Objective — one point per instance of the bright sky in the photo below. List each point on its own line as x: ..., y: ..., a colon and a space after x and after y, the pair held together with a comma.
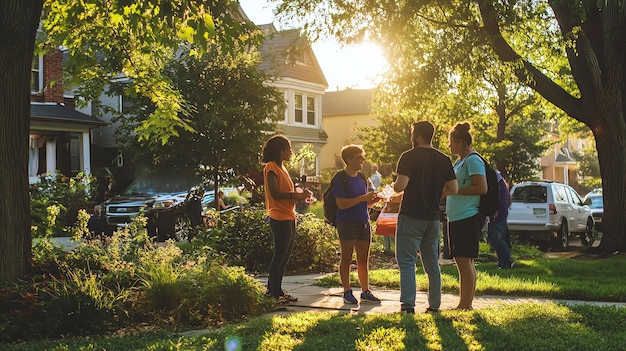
x: 356, y: 67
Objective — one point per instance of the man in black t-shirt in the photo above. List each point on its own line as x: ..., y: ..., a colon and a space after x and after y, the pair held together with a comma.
x: 423, y: 172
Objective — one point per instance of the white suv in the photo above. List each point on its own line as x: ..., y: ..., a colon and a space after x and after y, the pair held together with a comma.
x: 550, y: 210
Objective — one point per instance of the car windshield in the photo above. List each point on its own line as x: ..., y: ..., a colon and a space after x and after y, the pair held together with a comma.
x: 596, y: 202
x: 530, y: 193
x: 159, y: 184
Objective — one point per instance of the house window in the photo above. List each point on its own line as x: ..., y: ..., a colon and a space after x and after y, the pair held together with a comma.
x: 298, y: 108
x: 36, y: 74
x: 310, y: 111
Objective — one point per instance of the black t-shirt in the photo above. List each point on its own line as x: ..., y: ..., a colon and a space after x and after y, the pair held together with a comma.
x: 427, y: 169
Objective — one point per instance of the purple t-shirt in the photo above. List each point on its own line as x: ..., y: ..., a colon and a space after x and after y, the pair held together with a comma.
x: 355, y: 187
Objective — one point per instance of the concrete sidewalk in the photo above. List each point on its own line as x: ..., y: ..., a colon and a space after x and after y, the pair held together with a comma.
x: 316, y: 298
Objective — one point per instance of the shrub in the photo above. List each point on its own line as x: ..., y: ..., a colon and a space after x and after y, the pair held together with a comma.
x: 244, y: 238
x: 55, y: 202
x: 215, y: 294
x: 106, y: 284
x: 316, y: 208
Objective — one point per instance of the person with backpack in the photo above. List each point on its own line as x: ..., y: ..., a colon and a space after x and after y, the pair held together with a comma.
x: 464, y: 218
x: 351, y: 192
x: 280, y: 203
x: 423, y: 173
x: 497, y: 229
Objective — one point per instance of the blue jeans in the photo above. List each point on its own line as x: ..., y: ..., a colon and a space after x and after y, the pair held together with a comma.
x: 497, y: 236
x: 284, y: 242
x: 415, y: 235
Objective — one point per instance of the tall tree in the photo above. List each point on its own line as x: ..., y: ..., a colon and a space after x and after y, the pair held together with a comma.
x: 231, y: 110
x: 135, y: 37
x: 573, y: 53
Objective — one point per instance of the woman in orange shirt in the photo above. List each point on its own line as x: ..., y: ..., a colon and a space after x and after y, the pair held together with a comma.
x: 280, y: 202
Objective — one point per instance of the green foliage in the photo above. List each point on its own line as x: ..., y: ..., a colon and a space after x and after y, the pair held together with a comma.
x: 138, y: 39
x: 303, y: 156
x: 316, y: 208
x: 216, y: 294
x: 244, y: 239
x: 104, y: 285
x: 56, y: 201
x: 230, y: 110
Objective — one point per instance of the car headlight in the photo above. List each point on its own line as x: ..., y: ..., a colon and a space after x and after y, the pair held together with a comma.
x: 163, y: 204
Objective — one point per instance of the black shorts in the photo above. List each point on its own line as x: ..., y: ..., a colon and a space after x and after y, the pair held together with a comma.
x: 464, y: 236
x: 354, y: 231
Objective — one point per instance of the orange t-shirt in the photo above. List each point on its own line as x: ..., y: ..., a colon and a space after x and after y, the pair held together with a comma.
x: 279, y: 209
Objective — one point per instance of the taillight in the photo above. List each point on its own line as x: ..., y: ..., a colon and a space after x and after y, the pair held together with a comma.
x: 552, y: 209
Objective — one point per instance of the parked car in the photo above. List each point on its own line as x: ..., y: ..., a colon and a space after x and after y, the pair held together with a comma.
x: 151, y: 194
x: 597, y: 207
x: 552, y: 211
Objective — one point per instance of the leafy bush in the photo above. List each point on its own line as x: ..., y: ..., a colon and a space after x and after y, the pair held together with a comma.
x: 244, y: 238
x: 316, y: 208
x: 215, y: 294
x: 55, y: 202
x: 103, y: 285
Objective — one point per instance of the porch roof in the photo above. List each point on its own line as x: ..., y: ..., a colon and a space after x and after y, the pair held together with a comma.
x: 54, y: 112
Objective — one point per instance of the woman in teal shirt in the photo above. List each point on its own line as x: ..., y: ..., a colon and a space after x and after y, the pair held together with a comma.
x: 464, y: 221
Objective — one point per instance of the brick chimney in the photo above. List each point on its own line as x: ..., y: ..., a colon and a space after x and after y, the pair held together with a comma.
x: 53, y: 72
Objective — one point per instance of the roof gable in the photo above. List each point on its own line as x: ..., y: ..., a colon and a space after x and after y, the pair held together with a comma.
x: 288, y: 54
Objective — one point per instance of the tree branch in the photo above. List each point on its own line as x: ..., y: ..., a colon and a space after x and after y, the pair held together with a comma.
x: 526, y: 72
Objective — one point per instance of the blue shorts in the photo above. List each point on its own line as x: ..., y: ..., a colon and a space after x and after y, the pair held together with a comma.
x: 354, y: 231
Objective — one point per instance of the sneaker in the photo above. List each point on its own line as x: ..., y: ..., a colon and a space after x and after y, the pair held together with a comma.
x: 408, y: 310
x: 431, y: 310
x: 348, y: 298
x: 368, y: 297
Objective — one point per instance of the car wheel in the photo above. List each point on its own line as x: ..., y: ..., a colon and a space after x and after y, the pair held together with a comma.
x: 181, y: 228
x: 589, y: 236
x: 561, y: 242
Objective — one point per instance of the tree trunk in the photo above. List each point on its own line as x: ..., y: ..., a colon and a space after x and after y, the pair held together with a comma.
x: 611, y: 145
x: 18, y: 25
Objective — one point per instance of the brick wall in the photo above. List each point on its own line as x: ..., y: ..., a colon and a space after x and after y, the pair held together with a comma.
x: 53, y: 72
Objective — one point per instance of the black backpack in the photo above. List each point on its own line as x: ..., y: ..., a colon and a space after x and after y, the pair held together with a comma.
x: 490, y: 201
x: 330, y: 204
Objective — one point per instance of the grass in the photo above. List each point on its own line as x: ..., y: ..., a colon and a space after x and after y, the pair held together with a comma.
x: 559, y: 278
x: 528, y: 326
x: 535, y: 275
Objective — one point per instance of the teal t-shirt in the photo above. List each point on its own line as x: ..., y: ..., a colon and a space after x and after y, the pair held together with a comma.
x: 460, y: 207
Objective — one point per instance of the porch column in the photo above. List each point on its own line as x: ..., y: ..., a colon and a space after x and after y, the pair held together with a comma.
x: 86, y: 153
x: 51, y: 155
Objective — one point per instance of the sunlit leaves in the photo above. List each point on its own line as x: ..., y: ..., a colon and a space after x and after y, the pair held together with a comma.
x: 106, y: 38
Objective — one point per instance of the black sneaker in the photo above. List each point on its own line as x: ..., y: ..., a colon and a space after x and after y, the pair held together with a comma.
x: 431, y: 310
x: 368, y: 297
x: 348, y: 298
x: 408, y: 310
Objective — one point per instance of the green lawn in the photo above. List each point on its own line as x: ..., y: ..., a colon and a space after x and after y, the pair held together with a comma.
x: 559, y: 278
x: 527, y: 326
x: 518, y: 327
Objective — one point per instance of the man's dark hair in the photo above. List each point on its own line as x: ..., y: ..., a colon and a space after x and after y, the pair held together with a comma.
x: 424, y: 129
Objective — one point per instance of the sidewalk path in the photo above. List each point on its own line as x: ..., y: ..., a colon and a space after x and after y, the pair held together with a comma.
x: 316, y: 298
